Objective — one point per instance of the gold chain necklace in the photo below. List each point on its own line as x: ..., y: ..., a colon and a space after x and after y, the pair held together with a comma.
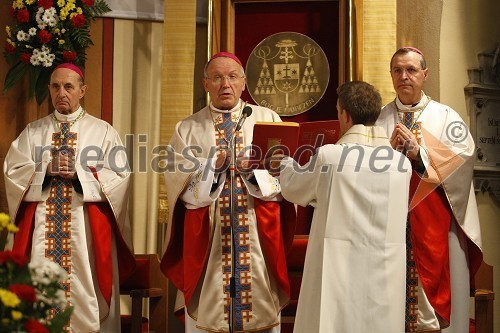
x: 403, y: 111
x: 71, y: 123
x: 212, y: 111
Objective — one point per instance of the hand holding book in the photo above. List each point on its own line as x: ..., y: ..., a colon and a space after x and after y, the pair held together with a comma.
x: 298, y: 140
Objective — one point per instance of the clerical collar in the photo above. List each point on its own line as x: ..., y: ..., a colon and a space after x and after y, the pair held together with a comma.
x: 236, y: 108
x: 412, y: 108
x: 64, y: 118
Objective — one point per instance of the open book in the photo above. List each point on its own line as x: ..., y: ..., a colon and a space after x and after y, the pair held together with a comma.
x: 298, y: 140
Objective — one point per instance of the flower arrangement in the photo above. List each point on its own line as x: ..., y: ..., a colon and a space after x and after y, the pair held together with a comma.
x: 30, y: 293
x: 46, y: 33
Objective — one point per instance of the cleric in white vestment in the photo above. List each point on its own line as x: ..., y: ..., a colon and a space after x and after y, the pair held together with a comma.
x: 354, y: 271
x: 198, y: 255
x: 67, y: 178
x: 443, y: 219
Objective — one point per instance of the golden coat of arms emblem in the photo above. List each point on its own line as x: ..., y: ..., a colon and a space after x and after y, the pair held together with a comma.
x: 287, y: 72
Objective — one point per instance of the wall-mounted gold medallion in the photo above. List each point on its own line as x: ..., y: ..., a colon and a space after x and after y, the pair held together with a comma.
x: 287, y: 72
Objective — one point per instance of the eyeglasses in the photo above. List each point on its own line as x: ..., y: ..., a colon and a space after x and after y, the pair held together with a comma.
x: 232, y: 78
x: 412, y: 71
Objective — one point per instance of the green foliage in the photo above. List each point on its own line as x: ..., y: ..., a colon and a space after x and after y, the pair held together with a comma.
x: 15, y: 74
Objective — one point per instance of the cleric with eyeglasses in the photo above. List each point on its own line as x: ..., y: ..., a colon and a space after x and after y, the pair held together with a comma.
x: 225, y: 256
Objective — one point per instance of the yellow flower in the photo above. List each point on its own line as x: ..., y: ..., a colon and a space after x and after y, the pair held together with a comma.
x: 63, y: 30
x: 12, y: 228
x: 30, y: 2
x: 70, y: 6
x: 9, y: 298
x: 18, y: 4
x: 4, y: 218
x: 61, y: 3
x: 61, y: 41
x: 63, y: 13
x: 7, y: 30
x: 79, y: 10
x: 17, y: 315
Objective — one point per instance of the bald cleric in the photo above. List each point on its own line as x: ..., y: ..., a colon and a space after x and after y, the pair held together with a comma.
x: 71, y: 208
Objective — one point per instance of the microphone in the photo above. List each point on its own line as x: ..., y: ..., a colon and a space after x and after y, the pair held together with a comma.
x: 247, y: 111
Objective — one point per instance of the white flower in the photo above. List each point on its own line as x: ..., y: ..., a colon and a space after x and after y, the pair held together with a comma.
x: 38, y: 18
x: 45, y: 58
x: 45, y: 271
x: 60, y: 299
x: 50, y: 17
x: 42, y: 298
x: 47, y: 17
x: 32, y: 32
x: 35, y: 61
x: 47, y: 62
x: 22, y: 36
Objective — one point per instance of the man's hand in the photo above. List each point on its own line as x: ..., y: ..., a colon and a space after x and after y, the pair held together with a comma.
x: 273, y: 163
x: 62, y: 165
x: 222, y: 161
x: 403, y: 140
x: 242, y: 165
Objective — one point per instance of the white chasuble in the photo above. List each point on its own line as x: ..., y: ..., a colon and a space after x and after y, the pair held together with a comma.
x: 61, y: 226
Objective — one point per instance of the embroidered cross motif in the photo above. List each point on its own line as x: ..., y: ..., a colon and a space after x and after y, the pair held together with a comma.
x: 240, y: 226
x: 411, y: 309
x: 58, y: 209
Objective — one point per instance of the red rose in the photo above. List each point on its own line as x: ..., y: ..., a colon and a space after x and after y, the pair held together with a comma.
x: 12, y: 12
x: 88, y: 2
x: 16, y: 258
x: 45, y: 3
x: 45, y: 36
x: 78, y: 20
x: 23, y: 15
x: 25, y: 57
x: 69, y: 56
x: 34, y: 326
x: 24, y: 292
x: 9, y: 48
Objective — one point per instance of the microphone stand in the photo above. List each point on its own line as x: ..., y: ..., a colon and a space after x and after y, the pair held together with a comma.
x: 232, y: 279
x: 232, y: 175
